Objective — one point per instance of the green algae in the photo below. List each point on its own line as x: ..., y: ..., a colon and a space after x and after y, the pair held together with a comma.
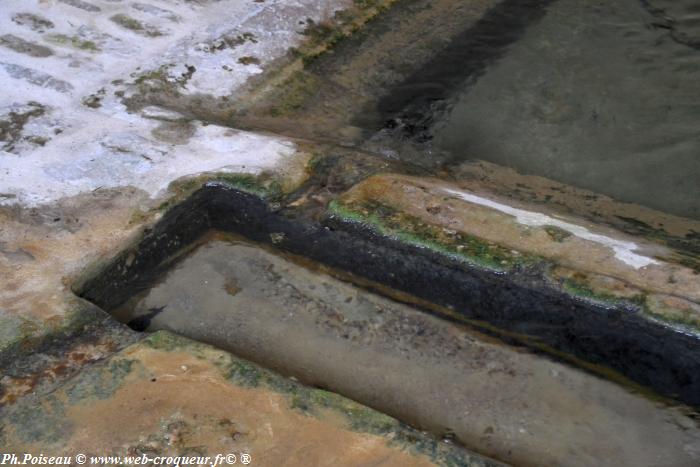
x: 405, y: 228
x: 73, y: 41
x: 21, y: 335
x: 325, y: 35
x: 161, y: 77
x: 135, y: 25
x: 159, y: 86
x: 264, y: 185
x: 687, y: 322
x: 100, y: 382
x: 22, y: 46
x: 34, y: 22
x: 359, y: 418
x: 231, y: 42
x: 641, y: 300
x: 158, y: 74
x: 556, y: 233
x: 35, y: 422
x: 163, y: 340
x: 44, y: 420
x: 295, y: 91
x: 580, y: 289
x: 289, y: 87
x: 14, y: 330
x: 685, y: 318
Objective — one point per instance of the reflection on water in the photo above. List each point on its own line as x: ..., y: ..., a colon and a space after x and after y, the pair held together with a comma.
x: 603, y: 95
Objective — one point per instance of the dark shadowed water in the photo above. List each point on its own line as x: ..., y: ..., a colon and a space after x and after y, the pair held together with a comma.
x: 598, y: 94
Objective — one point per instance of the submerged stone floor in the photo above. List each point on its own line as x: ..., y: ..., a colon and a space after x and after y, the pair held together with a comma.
x: 114, y: 112
x: 446, y: 378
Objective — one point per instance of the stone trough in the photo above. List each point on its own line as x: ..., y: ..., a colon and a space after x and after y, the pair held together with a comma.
x: 351, y: 232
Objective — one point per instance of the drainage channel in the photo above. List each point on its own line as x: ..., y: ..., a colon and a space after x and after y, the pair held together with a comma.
x: 286, y: 312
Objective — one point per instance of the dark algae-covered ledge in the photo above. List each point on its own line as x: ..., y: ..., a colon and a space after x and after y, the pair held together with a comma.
x: 519, y: 301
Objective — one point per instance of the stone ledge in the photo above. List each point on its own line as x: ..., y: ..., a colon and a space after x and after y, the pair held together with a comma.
x: 168, y: 396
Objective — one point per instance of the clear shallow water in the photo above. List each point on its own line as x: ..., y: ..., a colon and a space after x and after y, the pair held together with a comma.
x: 602, y: 95
x: 510, y: 404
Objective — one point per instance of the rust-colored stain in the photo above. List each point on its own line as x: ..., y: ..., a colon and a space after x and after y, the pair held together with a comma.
x: 12, y: 388
x: 177, y: 402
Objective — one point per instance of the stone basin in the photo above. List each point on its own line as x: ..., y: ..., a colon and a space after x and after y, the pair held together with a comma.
x: 270, y: 228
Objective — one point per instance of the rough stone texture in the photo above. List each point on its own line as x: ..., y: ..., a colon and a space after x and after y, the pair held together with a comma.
x: 78, y: 168
x: 106, y: 105
x: 168, y: 396
x: 71, y: 71
x: 90, y: 146
x: 604, y: 261
x: 494, y: 398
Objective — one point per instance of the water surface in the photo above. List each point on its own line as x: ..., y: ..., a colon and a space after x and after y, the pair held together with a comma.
x: 597, y: 94
x: 437, y: 375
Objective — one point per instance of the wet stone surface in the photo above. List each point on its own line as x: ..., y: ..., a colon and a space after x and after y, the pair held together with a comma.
x: 244, y: 410
x: 595, y: 94
x: 509, y: 404
x: 114, y: 113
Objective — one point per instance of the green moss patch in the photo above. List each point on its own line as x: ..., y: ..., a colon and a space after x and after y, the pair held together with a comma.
x: 295, y: 90
x: 557, y: 234
x: 75, y: 42
x: 411, y: 230
x: 132, y: 24
x: 100, y: 382
x: 265, y: 186
x: 580, y: 289
x: 681, y: 313
x: 20, y: 335
x: 326, y: 34
x: 34, y: 22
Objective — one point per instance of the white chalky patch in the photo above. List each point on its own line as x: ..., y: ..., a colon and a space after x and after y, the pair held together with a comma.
x: 624, y: 251
x: 119, y: 155
x: 86, y: 138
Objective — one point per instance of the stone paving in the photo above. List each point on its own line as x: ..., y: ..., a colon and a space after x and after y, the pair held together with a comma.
x: 72, y: 72
x: 114, y: 111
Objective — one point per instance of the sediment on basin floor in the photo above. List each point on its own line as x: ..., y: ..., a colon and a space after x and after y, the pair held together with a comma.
x: 286, y: 313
